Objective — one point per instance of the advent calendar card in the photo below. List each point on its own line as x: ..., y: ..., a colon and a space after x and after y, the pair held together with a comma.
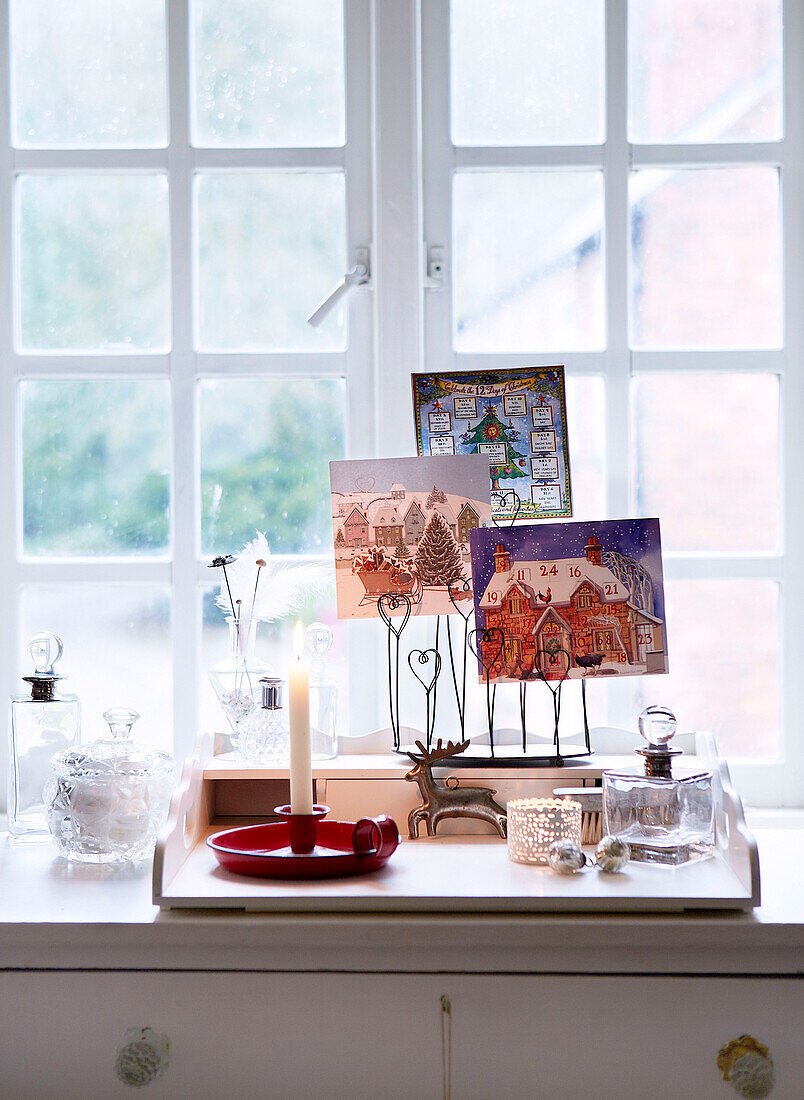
x: 401, y: 526
x: 517, y: 418
x: 570, y: 599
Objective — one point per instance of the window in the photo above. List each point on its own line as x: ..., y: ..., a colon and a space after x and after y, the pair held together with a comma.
x: 629, y: 206
x: 613, y: 186
x: 182, y: 188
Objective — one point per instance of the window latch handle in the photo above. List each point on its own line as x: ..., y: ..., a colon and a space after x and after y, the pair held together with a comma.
x: 358, y: 275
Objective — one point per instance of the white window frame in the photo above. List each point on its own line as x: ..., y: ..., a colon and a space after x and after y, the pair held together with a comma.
x: 183, y: 570
x: 778, y: 782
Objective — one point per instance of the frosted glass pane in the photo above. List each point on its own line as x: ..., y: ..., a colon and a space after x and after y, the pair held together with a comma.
x: 88, y: 74
x: 705, y: 258
x: 95, y: 460
x: 265, y: 453
x: 93, y: 262
x: 271, y: 246
x: 586, y: 424
x: 705, y: 70
x: 274, y: 645
x: 268, y: 72
x: 117, y: 651
x: 724, y: 655
x: 528, y: 266
x: 707, y: 459
x: 526, y: 73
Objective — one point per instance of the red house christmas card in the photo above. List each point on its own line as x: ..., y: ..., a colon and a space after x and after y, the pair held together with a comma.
x: 572, y: 599
x: 402, y: 525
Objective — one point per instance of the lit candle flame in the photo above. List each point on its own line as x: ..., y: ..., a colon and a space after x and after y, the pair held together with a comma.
x: 298, y: 640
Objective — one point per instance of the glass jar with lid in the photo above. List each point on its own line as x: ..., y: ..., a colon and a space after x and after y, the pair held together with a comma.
x: 107, y: 800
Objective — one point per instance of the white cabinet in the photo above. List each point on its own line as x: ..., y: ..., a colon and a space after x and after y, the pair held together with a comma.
x: 378, y: 1036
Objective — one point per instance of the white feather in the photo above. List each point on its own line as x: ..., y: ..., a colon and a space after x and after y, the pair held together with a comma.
x: 282, y: 589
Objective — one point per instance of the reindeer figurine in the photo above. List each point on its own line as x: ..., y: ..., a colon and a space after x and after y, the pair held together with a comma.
x: 442, y: 800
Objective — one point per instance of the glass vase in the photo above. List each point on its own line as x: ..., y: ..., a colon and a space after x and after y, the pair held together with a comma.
x: 236, y: 679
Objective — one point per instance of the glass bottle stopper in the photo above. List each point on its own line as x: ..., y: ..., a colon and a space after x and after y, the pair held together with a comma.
x: 44, y: 649
x: 120, y: 720
x: 318, y: 639
x: 271, y: 693
x: 657, y: 726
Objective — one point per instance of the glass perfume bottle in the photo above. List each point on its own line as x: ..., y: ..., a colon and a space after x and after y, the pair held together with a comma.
x: 41, y: 724
x: 318, y: 640
x: 665, y: 819
x: 265, y: 733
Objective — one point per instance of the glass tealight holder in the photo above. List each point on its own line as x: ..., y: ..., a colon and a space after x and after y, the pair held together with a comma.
x: 534, y: 823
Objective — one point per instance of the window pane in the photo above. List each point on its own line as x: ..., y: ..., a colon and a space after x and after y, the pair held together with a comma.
x: 528, y: 270
x: 586, y: 424
x: 268, y: 72
x: 271, y: 245
x: 274, y: 645
x: 93, y: 262
x: 88, y: 73
x: 526, y: 73
x: 265, y: 452
x: 95, y: 459
x: 706, y: 456
x: 705, y: 258
x: 724, y: 652
x: 116, y: 651
x: 705, y: 70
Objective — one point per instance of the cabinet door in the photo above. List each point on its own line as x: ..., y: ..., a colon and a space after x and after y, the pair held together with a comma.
x: 383, y: 1037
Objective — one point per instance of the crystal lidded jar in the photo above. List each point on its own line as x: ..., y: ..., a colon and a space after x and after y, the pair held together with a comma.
x: 41, y: 724
x: 108, y: 799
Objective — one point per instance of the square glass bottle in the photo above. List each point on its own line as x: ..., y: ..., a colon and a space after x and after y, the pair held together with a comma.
x: 40, y: 725
x: 664, y: 819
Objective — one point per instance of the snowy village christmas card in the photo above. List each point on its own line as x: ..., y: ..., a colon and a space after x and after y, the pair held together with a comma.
x: 572, y: 599
x: 517, y: 418
x: 402, y: 525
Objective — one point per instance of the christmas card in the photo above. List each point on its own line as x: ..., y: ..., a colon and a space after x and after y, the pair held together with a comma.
x: 517, y: 418
x: 402, y: 525
x: 569, y: 600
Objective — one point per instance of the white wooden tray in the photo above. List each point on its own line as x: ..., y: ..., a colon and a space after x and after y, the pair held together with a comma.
x: 451, y: 873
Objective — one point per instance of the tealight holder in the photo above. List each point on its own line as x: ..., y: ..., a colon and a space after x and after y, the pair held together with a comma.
x: 534, y: 823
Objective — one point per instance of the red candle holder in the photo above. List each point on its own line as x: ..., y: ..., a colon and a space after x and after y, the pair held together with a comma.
x: 302, y: 828
x: 304, y: 846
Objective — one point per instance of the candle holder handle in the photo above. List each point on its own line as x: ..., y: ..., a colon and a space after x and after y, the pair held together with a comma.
x: 302, y: 828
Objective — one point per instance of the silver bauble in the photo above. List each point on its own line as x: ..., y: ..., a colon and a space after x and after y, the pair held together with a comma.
x: 565, y: 857
x: 612, y: 854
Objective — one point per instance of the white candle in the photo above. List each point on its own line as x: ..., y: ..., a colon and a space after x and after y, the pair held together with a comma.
x: 301, y: 773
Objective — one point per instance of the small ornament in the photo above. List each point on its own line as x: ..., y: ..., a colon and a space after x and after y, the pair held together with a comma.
x: 746, y: 1064
x: 143, y: 1057
x: 565, y: 857
x: 612, y: 854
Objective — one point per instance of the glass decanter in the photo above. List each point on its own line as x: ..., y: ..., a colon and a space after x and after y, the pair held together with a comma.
x: 236, y: 679
x: 265, y: 733
x: 665, y: 819
x: 41, y: 724
x: 318, y: 640
x: 108, y: 799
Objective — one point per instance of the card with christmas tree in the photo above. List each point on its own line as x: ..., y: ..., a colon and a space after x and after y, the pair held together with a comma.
x: 402, y: 525
x: 517, y: 418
